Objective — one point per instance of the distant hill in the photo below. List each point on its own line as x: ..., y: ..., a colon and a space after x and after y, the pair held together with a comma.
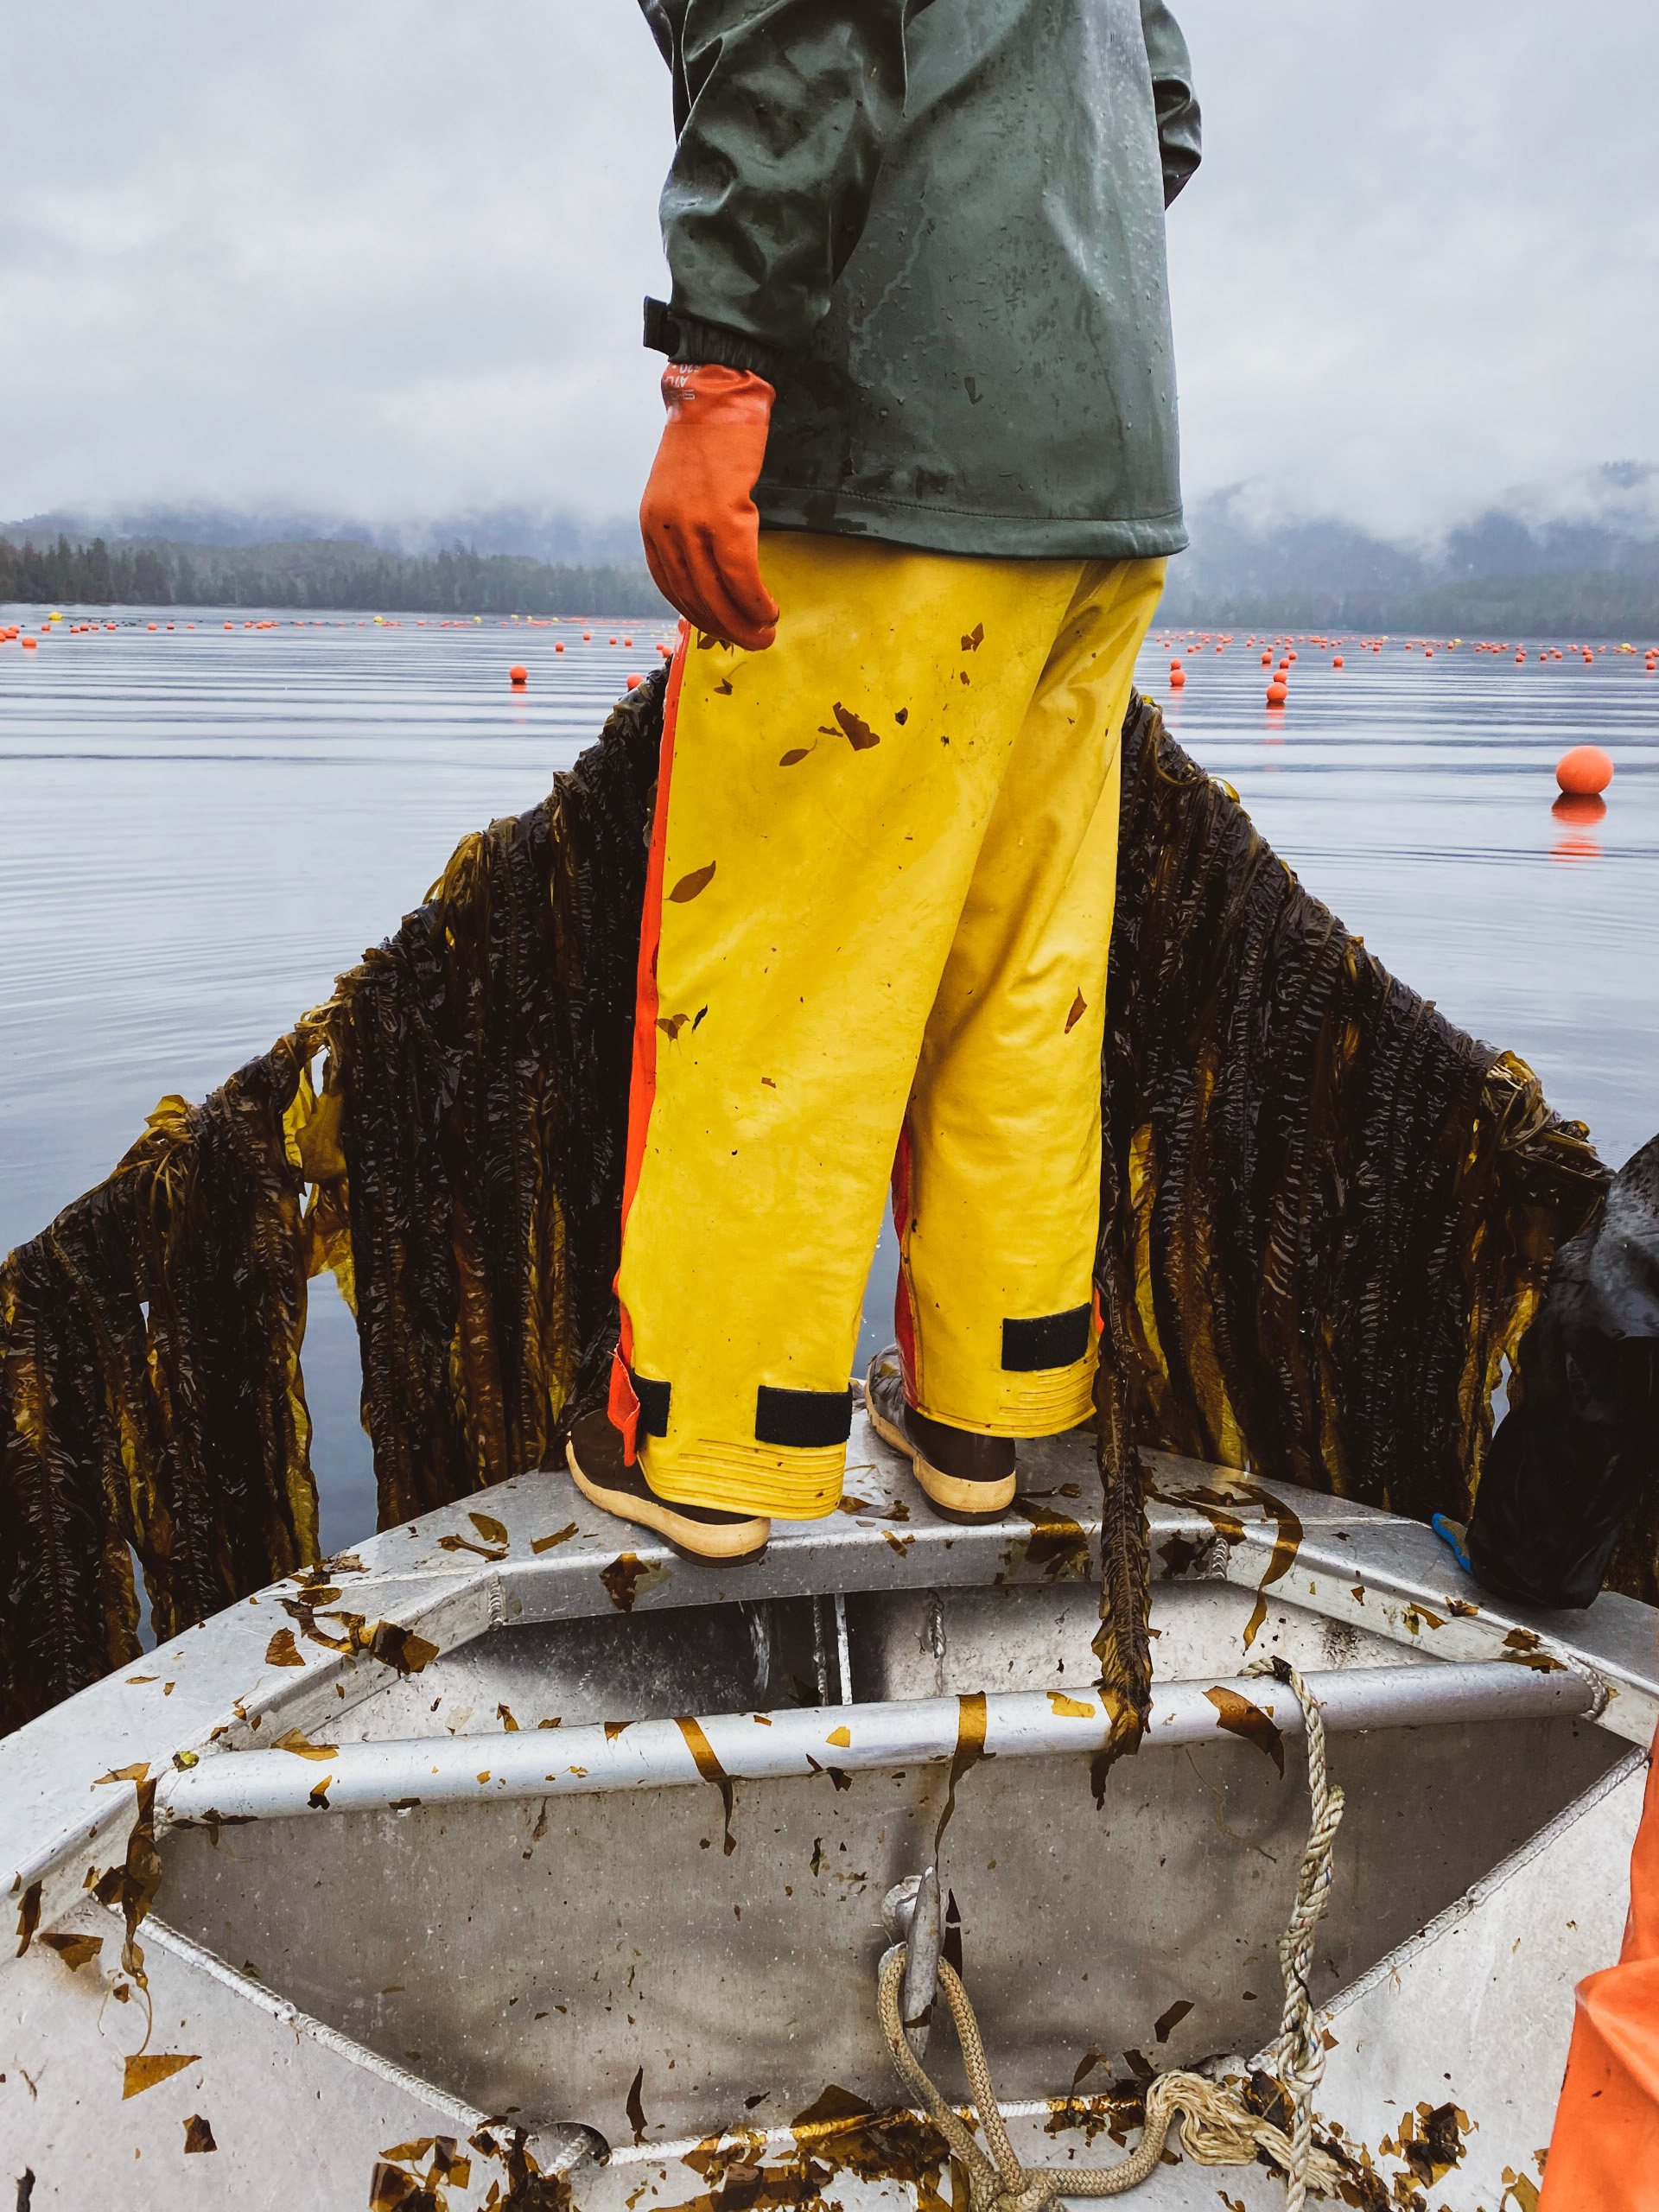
x: 1595, y: 574
x: 75, y: 569
x: 1579, y: 557
x: 551, y: 535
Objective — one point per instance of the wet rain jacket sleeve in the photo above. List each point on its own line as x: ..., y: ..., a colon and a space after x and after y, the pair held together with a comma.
x: 1172, y: 86
x: 783, y: 109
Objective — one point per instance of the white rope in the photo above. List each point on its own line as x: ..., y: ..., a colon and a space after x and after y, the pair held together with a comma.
x: 1296, y: 2057
x: 1216, y: 2128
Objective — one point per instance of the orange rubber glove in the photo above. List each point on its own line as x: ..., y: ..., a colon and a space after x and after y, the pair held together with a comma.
x: 701, y: 527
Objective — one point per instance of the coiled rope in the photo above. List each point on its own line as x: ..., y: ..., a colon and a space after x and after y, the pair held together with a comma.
x: 1216, y: 2128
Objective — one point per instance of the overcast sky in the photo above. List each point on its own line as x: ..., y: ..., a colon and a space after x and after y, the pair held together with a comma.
x: 385, y: 258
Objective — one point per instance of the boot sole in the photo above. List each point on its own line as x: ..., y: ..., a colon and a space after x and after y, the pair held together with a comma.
x: 950, y: 1498
x: 739, y: 1545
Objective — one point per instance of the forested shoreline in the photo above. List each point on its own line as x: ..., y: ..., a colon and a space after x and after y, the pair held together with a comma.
x: 328, y: 573
x: 352, y: 573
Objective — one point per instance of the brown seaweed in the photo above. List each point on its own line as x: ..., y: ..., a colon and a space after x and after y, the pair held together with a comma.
x: 483, y: 1056
x: 464, y: 1158
x: 1326, y: 1214
x: 1325, y: 1218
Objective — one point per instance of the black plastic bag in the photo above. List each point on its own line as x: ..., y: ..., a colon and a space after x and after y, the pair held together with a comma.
x: 1579, y: 1446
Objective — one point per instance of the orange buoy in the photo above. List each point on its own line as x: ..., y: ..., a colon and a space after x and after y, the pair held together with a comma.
x: 1335, y: 660
x: 1177, y: 677
x: 31, y: 644
x: 1278, y: 692
x: 627, y: 641
x: 587, y: 636
x: 518, y: 673
x: 1585, y: 772
x: 558, y: 646
x: 634, y: 682
x: 667, y: 652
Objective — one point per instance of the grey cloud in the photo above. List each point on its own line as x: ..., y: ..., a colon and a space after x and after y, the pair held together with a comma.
x: 385, y: 259
x: 381, y: 258
x: 1415, y: 276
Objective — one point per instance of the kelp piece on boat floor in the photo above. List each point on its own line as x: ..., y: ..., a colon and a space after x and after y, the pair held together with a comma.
x: 1325, y: 1218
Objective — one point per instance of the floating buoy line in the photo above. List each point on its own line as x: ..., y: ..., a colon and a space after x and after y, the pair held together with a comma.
x: 56, y: 625
x: 1583, y: 773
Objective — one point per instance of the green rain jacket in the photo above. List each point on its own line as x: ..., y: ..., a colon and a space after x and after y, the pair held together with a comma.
x: 938, y: 227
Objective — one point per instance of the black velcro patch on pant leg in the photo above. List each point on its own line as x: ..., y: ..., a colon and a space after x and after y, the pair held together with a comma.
x: 653, y: 1403
x: 1051, y: 1340
x: 804, y: 1419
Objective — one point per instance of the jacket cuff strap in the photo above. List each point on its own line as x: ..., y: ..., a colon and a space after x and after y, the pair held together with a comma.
x: 686, y: 339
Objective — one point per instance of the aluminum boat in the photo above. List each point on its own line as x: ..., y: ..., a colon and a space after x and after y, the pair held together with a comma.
x: 510, y: 1860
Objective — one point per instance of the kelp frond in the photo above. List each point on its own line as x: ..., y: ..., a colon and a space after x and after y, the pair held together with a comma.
x: 1326, y: 1214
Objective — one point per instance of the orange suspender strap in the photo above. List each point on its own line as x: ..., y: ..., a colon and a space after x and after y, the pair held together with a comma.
x: 623, y: 1405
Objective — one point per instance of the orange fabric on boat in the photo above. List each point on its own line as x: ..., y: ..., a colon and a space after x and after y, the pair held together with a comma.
x: 1603, y: 2150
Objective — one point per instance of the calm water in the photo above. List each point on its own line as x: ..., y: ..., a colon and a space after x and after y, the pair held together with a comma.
x: 199, y: 828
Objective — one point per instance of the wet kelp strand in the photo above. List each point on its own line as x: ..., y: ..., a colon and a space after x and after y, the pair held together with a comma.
x: 1325, y: 1218
x: 1326, y: 1214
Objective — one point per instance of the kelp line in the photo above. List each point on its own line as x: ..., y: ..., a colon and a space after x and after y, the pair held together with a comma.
x: 463, y: 1160
x: 1327, y: 1216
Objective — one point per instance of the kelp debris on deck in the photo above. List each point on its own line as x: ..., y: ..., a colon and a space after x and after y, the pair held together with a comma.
x: 1325, y: 1218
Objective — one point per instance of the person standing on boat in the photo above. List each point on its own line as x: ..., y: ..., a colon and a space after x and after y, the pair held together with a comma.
x: 914, y: 498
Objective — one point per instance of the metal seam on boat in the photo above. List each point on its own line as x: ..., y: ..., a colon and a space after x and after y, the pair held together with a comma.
x: 248, y: 1988
x: 797, y: 1744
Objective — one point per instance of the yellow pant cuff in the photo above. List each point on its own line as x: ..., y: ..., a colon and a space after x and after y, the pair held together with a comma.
x: 794, y: 1485
x: 1045, y: 1404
